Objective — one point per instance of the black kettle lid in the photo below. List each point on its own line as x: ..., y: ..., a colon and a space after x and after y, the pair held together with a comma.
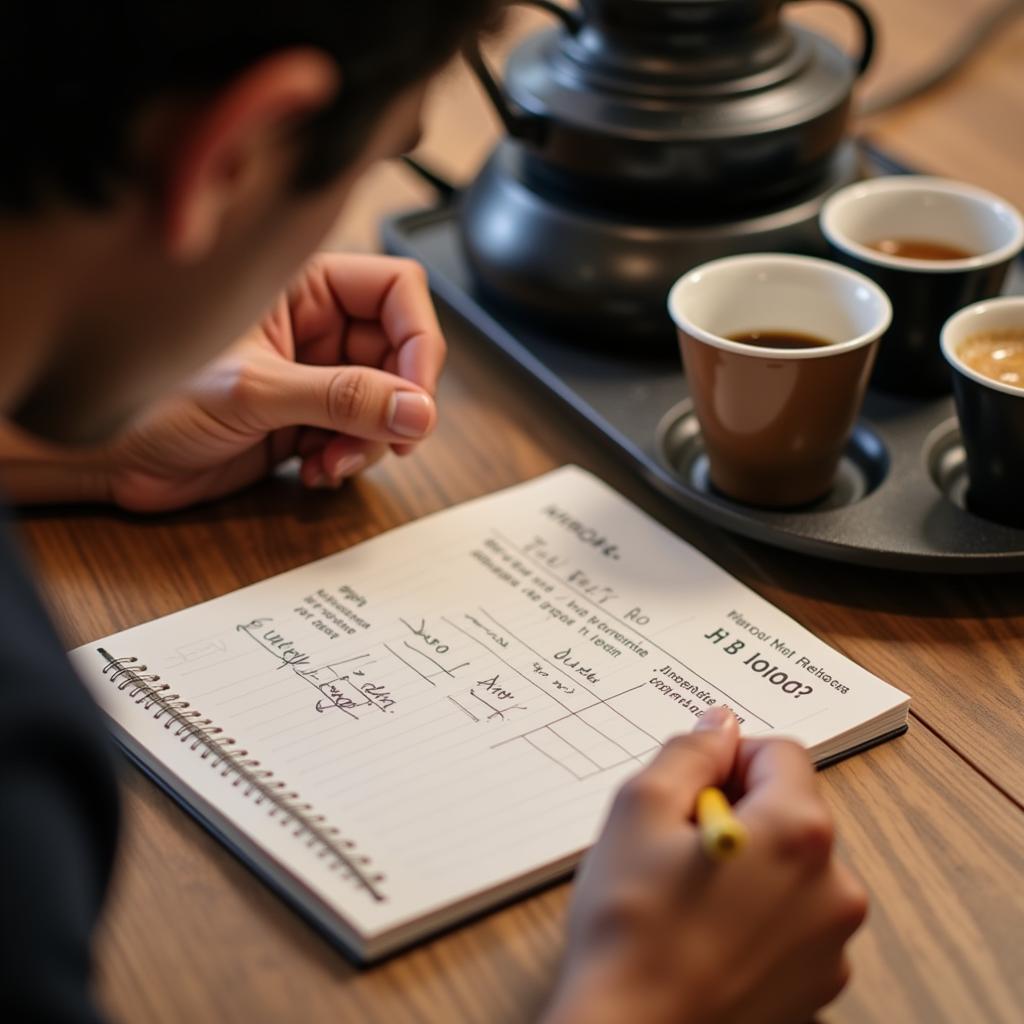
x: 687, y: 48
x: 678, y: 96
x: 694, y: 42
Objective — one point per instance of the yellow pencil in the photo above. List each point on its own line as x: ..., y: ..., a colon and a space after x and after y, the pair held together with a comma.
x: 722, y: 834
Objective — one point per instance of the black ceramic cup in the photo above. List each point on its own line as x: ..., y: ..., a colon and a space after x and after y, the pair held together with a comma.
x: 991, y: 413
x: 924, y: 292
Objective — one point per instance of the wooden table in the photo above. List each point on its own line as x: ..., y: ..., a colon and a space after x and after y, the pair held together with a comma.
x: 934, y: 821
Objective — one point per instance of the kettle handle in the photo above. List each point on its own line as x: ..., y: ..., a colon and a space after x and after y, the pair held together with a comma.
x: 867, y: 32
x: 518, y: 123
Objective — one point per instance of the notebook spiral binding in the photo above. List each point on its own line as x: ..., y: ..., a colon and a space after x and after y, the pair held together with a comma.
x: 224, y: 753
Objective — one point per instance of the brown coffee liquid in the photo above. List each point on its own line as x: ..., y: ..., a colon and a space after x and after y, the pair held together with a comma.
x: 998, y: 355
x: 779, y: 339
x: 918, y: 249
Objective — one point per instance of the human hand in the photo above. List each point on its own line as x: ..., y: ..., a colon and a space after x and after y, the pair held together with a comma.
x: 658, y: 934
x: 343, y: 367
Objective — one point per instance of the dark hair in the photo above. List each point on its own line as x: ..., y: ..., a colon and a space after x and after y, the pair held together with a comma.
x: 75, y: 76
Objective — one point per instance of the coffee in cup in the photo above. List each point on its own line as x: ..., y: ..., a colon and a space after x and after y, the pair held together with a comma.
x: 984, y: 344
x: 778, y: 339
x: 920, y: 249
x: 777, y: 350
x: 934, y: 246
x: 998, y: 355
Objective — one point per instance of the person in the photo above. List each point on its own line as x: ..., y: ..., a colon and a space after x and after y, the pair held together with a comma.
x: 168, y: 169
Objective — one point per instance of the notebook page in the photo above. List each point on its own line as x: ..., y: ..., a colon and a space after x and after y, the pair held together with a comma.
x: 462, y: 696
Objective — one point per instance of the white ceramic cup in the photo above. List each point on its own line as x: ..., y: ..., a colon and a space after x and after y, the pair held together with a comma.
x: 927, y: 209
x: 924, y: 292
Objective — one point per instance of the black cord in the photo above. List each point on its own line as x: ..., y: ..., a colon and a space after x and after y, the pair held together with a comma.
x: 971, y: 40
x: 445, y: 189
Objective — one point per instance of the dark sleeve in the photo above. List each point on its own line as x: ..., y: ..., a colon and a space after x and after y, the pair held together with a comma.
x: 58, y: 816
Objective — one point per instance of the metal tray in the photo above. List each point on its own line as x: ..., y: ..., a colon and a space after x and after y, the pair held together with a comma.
x: 898, y: 500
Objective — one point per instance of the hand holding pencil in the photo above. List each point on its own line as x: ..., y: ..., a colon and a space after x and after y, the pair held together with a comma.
x: 722, y: 834
x: 689, y: 910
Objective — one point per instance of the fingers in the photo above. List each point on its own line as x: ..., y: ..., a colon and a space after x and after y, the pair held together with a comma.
x: 338, y: 291
x: 781, y: 805
x: 365, y: 403
x: 367, y: 345
x: 764, y: 762
x: 852, y: 909
x: 329, y: 463
x: 665, y: 792
x: 311, y: 440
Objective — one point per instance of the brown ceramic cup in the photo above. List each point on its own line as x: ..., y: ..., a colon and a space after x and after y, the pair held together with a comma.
x: 775, y: 420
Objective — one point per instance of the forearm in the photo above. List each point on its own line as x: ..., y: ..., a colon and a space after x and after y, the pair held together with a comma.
x: 602, y: 992
x: 35, y: 473
x: 579, y: 1006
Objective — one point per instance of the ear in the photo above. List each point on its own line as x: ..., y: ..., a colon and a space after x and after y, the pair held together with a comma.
x: 235, y: 153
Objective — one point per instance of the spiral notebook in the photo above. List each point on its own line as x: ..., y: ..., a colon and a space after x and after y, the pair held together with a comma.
x: 426, y: 725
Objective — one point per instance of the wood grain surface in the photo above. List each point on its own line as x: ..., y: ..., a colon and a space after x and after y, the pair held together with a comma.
x: 933, y: 821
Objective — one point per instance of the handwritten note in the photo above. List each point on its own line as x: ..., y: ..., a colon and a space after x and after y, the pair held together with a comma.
x: 463, y: 695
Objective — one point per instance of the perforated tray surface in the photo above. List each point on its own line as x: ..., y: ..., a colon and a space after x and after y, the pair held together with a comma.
x: 898, y: 501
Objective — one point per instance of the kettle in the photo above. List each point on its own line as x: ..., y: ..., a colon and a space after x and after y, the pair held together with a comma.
x: 645, y: 137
